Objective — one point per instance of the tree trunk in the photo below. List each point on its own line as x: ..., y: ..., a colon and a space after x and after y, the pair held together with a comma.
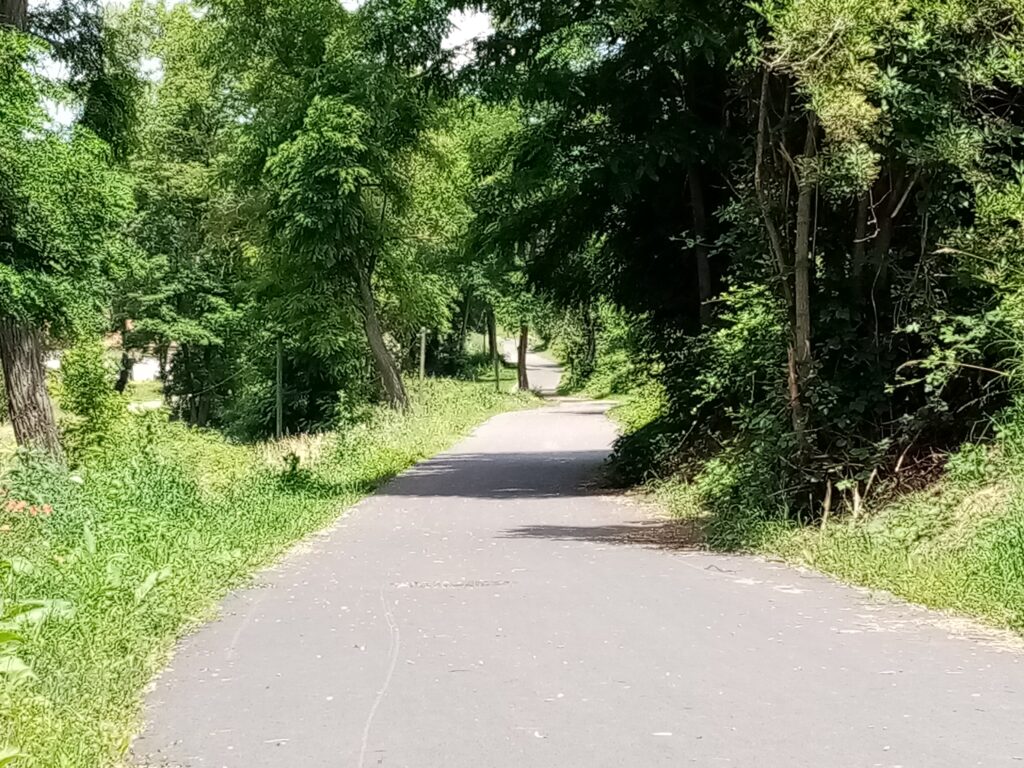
x: 21, y: 350
x: 878, y: 283
x: 387, y: 371
x: 860, y: 239
x: 524, y: 341
x: 28, y: 402
x: 492, y: 333
x: 700, y: 231
x: 590, y: 341
x: 14, y: 13
x: 802, y: 288
x: 464, y: 329
x: 203, y: 410
x: 774, y: 236
x: 124, y: 375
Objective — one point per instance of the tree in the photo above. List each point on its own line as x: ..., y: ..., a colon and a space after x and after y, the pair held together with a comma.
x: 788, y: 174
x: 61, y: 204
x: 334, y: 112
x: 188, y: 288
x: 61, y: 207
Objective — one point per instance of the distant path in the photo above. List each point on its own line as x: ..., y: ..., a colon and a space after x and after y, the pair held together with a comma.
x: 544, y: 373
x: 487, y: 610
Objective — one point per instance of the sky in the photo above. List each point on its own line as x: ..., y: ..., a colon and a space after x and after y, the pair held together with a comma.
x: 468, y: 26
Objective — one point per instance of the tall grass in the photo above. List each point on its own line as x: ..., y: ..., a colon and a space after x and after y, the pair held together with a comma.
x: 125, y: 553
x: 957, y: 545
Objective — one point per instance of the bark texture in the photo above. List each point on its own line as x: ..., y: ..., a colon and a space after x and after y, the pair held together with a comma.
x: 21, y: 347
x: 492, y: 334
x: 14, y: 13
x: 28, y: 402
x: 524, y: 341
x: 802, y: 357
x: 387, y: 371
x: 763, y: 200
x: 860, y: 238
x: 700, y: 232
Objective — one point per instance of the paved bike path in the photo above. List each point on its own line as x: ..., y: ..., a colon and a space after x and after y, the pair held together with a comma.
x: 488, y: 609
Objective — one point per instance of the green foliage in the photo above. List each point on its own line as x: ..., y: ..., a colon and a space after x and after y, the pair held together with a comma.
x: 677, y: 161
x: 86, y: 394
x: 186, y: 283
x: 955, y: 545
x: 148, y: 534
x: 598, y: 349
x: 62, y: 206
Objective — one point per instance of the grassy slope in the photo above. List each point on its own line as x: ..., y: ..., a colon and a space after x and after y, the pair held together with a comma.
x: 958, y: 545
x: 948, y: 547
x: 145, y: 391
x: 955, y: 546
x: 149, y: 535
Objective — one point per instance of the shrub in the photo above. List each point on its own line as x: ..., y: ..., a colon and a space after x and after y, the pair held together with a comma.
x: 85, y: 392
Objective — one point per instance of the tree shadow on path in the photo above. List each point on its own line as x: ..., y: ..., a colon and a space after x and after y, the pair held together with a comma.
x: 657, y: 534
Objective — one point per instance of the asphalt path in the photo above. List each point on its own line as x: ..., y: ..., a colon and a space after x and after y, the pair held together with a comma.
x: 491, y: 608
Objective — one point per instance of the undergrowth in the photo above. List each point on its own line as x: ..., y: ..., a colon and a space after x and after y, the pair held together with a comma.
x: 104, y: 566
x: 708, y: 433
x: 957, y: 544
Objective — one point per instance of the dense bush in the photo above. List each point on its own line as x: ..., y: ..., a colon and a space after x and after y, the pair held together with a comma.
x: 85, y: 393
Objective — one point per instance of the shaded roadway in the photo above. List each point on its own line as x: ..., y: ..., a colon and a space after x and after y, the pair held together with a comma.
x: 491, y: 609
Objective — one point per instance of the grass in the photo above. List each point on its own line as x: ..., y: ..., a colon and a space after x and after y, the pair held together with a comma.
x: 145, y: 391
x: 956, y: 546
x: 945, y: 548
x: 149, y: 534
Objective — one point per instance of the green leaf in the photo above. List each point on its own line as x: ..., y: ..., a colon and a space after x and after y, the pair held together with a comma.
x: 89, y: 539
x: 9, y: 754
x: 114, y: 575
x: 151, y: 581
x: 15, y: 669
x: 20, y: 565
x: 34, y: 612
x: 9, y: 636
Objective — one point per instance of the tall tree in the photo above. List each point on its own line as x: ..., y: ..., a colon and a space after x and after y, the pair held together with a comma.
x: 21, y: 349
x: 189, y: 290
x: 334, y: 109
x: 785, y: 177
x: 61, y: 204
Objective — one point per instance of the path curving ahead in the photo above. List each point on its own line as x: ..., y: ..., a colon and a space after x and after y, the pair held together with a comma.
x: 488, y: 610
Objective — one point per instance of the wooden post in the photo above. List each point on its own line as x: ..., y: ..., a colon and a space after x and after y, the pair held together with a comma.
x: 279, y: 430
x: 423, y: 353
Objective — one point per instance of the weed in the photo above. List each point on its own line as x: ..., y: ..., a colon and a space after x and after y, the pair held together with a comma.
x: 956, y: 545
